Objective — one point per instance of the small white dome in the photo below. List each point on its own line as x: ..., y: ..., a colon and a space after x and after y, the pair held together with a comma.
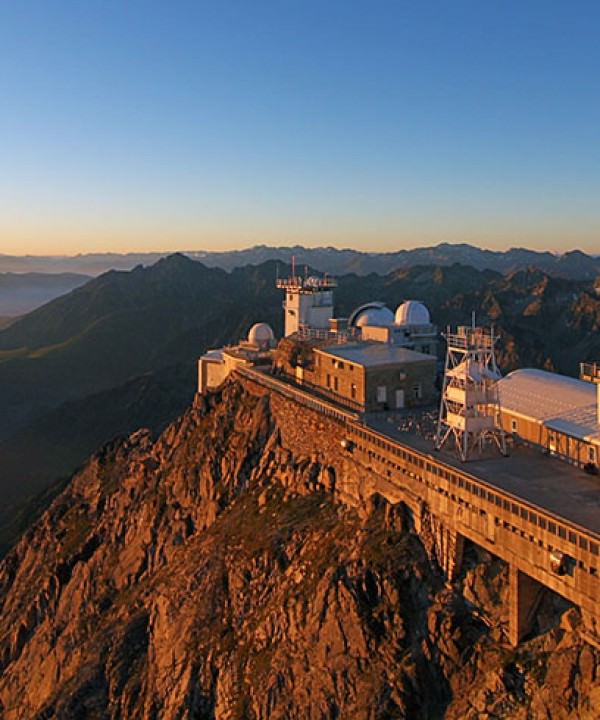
x: 260, y: 333
x: 373, y: 313
x: 412, y: 312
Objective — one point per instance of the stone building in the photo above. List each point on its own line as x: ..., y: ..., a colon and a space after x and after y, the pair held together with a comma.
x: 216, y: 365
x: 373, y: 376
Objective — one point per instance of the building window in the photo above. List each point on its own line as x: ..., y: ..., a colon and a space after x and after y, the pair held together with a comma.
x: 335, y: 384
x: 592, y: 454
x: 340, y: 365
x: 417, y: 391
x: 381, y: 393
x: 513, y: 425
x: 328, y: 380
x: 426, y: 349
x: 353, y: 391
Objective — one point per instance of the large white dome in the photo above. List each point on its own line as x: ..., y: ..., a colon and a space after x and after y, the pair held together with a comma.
x: 260, y: 334
x: 373, y: 313
x: 412, y: 312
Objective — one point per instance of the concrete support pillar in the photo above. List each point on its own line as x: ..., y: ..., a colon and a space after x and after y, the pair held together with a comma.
x: 442, y: 542
x: 458, y: 542
x: 525, y: 594
x: 419, y: 514
x: 449, y: 551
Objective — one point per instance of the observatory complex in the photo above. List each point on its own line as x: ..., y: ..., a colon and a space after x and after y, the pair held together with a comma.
x: 511, y: 466
x: 379, y: 360
x: 373, y: 360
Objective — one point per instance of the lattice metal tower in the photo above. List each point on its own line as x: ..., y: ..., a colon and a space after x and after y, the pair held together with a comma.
x: 470, y: 407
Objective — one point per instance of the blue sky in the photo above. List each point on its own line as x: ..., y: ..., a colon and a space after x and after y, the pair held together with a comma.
x: 130, y: 125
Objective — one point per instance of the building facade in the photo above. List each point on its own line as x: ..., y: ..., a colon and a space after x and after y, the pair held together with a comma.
x: 215, y: 366
x: 555, y: 413
x: 375, y: 376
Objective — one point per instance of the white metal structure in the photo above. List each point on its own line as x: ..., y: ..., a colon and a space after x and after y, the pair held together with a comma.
x: 590, y: 372
x: 412, y: 312
x: 469, y: 410
x: 371, y: 313
x: 308, y: 302
x: 261, y: 335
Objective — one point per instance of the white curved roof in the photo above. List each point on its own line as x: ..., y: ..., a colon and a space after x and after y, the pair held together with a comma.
x: 372, y: 313
x: 562, y: 403
x: 260, y: 332
x: 412, y: 312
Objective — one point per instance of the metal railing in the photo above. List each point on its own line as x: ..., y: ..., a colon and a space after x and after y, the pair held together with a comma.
x: 589, y: 371
x: 569, y: 531
x: 304, y: 397
x: 310, y: 283
x: 471, y: 338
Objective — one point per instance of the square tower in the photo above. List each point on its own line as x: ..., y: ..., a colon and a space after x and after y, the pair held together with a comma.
x: 308, y: 303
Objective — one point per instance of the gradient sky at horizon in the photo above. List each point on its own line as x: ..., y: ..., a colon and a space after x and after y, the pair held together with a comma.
x: 142, y: 125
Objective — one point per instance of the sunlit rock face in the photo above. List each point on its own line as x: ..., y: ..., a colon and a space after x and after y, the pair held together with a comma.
x: 215, y: 573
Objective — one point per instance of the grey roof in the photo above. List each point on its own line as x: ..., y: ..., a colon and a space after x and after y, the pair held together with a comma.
x: 562, y: 403
x: 372, y: 354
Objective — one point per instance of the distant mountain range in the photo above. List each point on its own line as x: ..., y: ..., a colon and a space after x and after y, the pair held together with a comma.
x: 575, y: 264
x: 21, y: 293
x: 119, y: 351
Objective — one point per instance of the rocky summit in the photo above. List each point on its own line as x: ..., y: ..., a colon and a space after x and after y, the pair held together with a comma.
x: 212, y: 573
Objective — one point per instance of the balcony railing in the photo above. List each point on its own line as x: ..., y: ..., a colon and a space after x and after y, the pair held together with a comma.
x: 589, y: 371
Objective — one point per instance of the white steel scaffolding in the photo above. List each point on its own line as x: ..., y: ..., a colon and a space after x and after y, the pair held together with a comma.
x: 470, y: 407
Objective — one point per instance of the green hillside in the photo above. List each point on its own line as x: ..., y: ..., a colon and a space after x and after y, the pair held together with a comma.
x: 121, y: 325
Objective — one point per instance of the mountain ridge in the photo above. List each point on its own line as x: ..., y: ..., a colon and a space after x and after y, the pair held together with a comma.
x: 573, y: 264
x: 59, y: 364
x: 215, y: 573
x: 21, y: 293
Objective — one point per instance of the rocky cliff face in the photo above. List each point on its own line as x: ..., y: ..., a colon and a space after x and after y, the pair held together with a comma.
x: 212, y: 574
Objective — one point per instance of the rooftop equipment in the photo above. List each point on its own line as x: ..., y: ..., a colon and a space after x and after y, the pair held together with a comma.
x: 470, y: 408
x: 590, y: 372
x: 308, y: 302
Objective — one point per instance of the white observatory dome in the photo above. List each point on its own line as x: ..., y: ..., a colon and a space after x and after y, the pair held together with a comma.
x: 412, y: 312
x: 373, y: 313
x: 260, y: 334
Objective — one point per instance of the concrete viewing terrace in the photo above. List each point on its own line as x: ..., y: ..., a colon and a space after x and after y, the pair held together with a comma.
x: 543, y: 481
x: 547, y: 482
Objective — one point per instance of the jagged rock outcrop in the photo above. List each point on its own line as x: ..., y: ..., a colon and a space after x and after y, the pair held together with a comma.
x: 213, y: 574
